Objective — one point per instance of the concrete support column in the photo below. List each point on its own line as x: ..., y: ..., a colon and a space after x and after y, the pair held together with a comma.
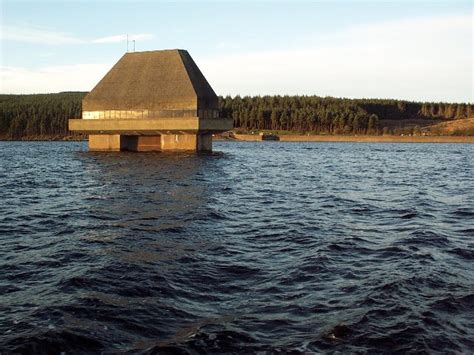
x: 201, y: 142
x: 204, y: 142
x: 104, y: 142
x: 178, y: 142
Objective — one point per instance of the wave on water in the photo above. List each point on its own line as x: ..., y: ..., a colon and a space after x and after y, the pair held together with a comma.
x: 265, y: 247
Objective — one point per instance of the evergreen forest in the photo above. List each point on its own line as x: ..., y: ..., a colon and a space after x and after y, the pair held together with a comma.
x: 45, y: 115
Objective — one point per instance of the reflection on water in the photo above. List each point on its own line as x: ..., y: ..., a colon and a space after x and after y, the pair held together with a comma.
x: 260, y: 247
x: 145, y: 198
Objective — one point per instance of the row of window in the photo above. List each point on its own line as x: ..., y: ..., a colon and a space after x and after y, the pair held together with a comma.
x: 127, y: 114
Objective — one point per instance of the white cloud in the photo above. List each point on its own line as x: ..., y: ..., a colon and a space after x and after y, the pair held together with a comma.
x: 122, y: 38
x: 42, y: 35
x: 79, y: 77
x: 39, y: 35
x: 416, y: 59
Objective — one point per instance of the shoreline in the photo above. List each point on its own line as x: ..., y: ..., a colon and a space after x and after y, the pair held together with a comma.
x: 296, y: 138
x: 55, y: 138
x: 360, y: 139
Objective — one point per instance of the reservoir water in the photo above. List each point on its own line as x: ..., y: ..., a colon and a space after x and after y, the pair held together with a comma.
x: 260, y: 246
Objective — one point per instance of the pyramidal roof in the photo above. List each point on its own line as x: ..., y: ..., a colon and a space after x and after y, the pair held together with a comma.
x: 154, y: 80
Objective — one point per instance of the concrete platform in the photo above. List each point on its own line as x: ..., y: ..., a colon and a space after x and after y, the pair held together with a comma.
x: 173, y: 134
x: 151, y: 126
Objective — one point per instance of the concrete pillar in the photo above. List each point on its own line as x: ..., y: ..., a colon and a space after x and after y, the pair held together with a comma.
x: 204, y: 142
x: 178, y: 142
x: 104, y: 142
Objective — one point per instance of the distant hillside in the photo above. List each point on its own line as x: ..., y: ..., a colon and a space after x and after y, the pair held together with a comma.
x: 328, y: 115
x: 44, y: 116
x: 462, y: 127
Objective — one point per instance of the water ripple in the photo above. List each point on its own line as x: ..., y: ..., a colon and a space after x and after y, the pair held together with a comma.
x: 260, y: 247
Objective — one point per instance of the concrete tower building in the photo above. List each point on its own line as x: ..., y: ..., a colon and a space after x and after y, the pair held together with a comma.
x: 157, y: 100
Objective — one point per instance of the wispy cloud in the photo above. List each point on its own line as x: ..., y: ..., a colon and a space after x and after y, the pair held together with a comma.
x: 42, y: 35
x: 419, y: 59
x: 39, y: 35
x: 80, y: 77
x: 121, y: 38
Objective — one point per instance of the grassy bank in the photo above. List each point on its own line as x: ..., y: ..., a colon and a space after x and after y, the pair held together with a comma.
x: 379, y: 139
x: 354, y: 138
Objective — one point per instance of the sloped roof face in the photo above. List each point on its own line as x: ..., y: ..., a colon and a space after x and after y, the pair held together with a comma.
x: 156, y: 80
x: 206, y: 96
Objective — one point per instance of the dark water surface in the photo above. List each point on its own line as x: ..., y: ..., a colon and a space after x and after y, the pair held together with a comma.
x: 260, y: 246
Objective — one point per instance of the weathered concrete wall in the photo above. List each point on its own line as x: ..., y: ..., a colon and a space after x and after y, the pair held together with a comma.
x: 179, y: 142
x: 165, y: 142
x: 148, y: 143
x: 150, y: 126
x: 216, y: 125
x: 134, y: 126
x: 104, y: 142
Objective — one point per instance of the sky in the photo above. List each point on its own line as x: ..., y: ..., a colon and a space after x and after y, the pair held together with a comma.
x: 413, y: 50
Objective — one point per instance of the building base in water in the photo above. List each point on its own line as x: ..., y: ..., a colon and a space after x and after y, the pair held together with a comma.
x: 183, y: 142
x: 141, y: 135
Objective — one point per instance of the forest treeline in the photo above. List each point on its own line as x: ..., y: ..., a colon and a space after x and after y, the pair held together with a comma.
x: 39, y: 115
x: 46, y: 115
x: 332, y: 115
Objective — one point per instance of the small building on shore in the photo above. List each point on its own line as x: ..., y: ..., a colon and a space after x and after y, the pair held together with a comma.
x: 155, y: 100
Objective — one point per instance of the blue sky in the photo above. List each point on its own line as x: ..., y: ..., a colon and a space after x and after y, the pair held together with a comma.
x: 416, y: 50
